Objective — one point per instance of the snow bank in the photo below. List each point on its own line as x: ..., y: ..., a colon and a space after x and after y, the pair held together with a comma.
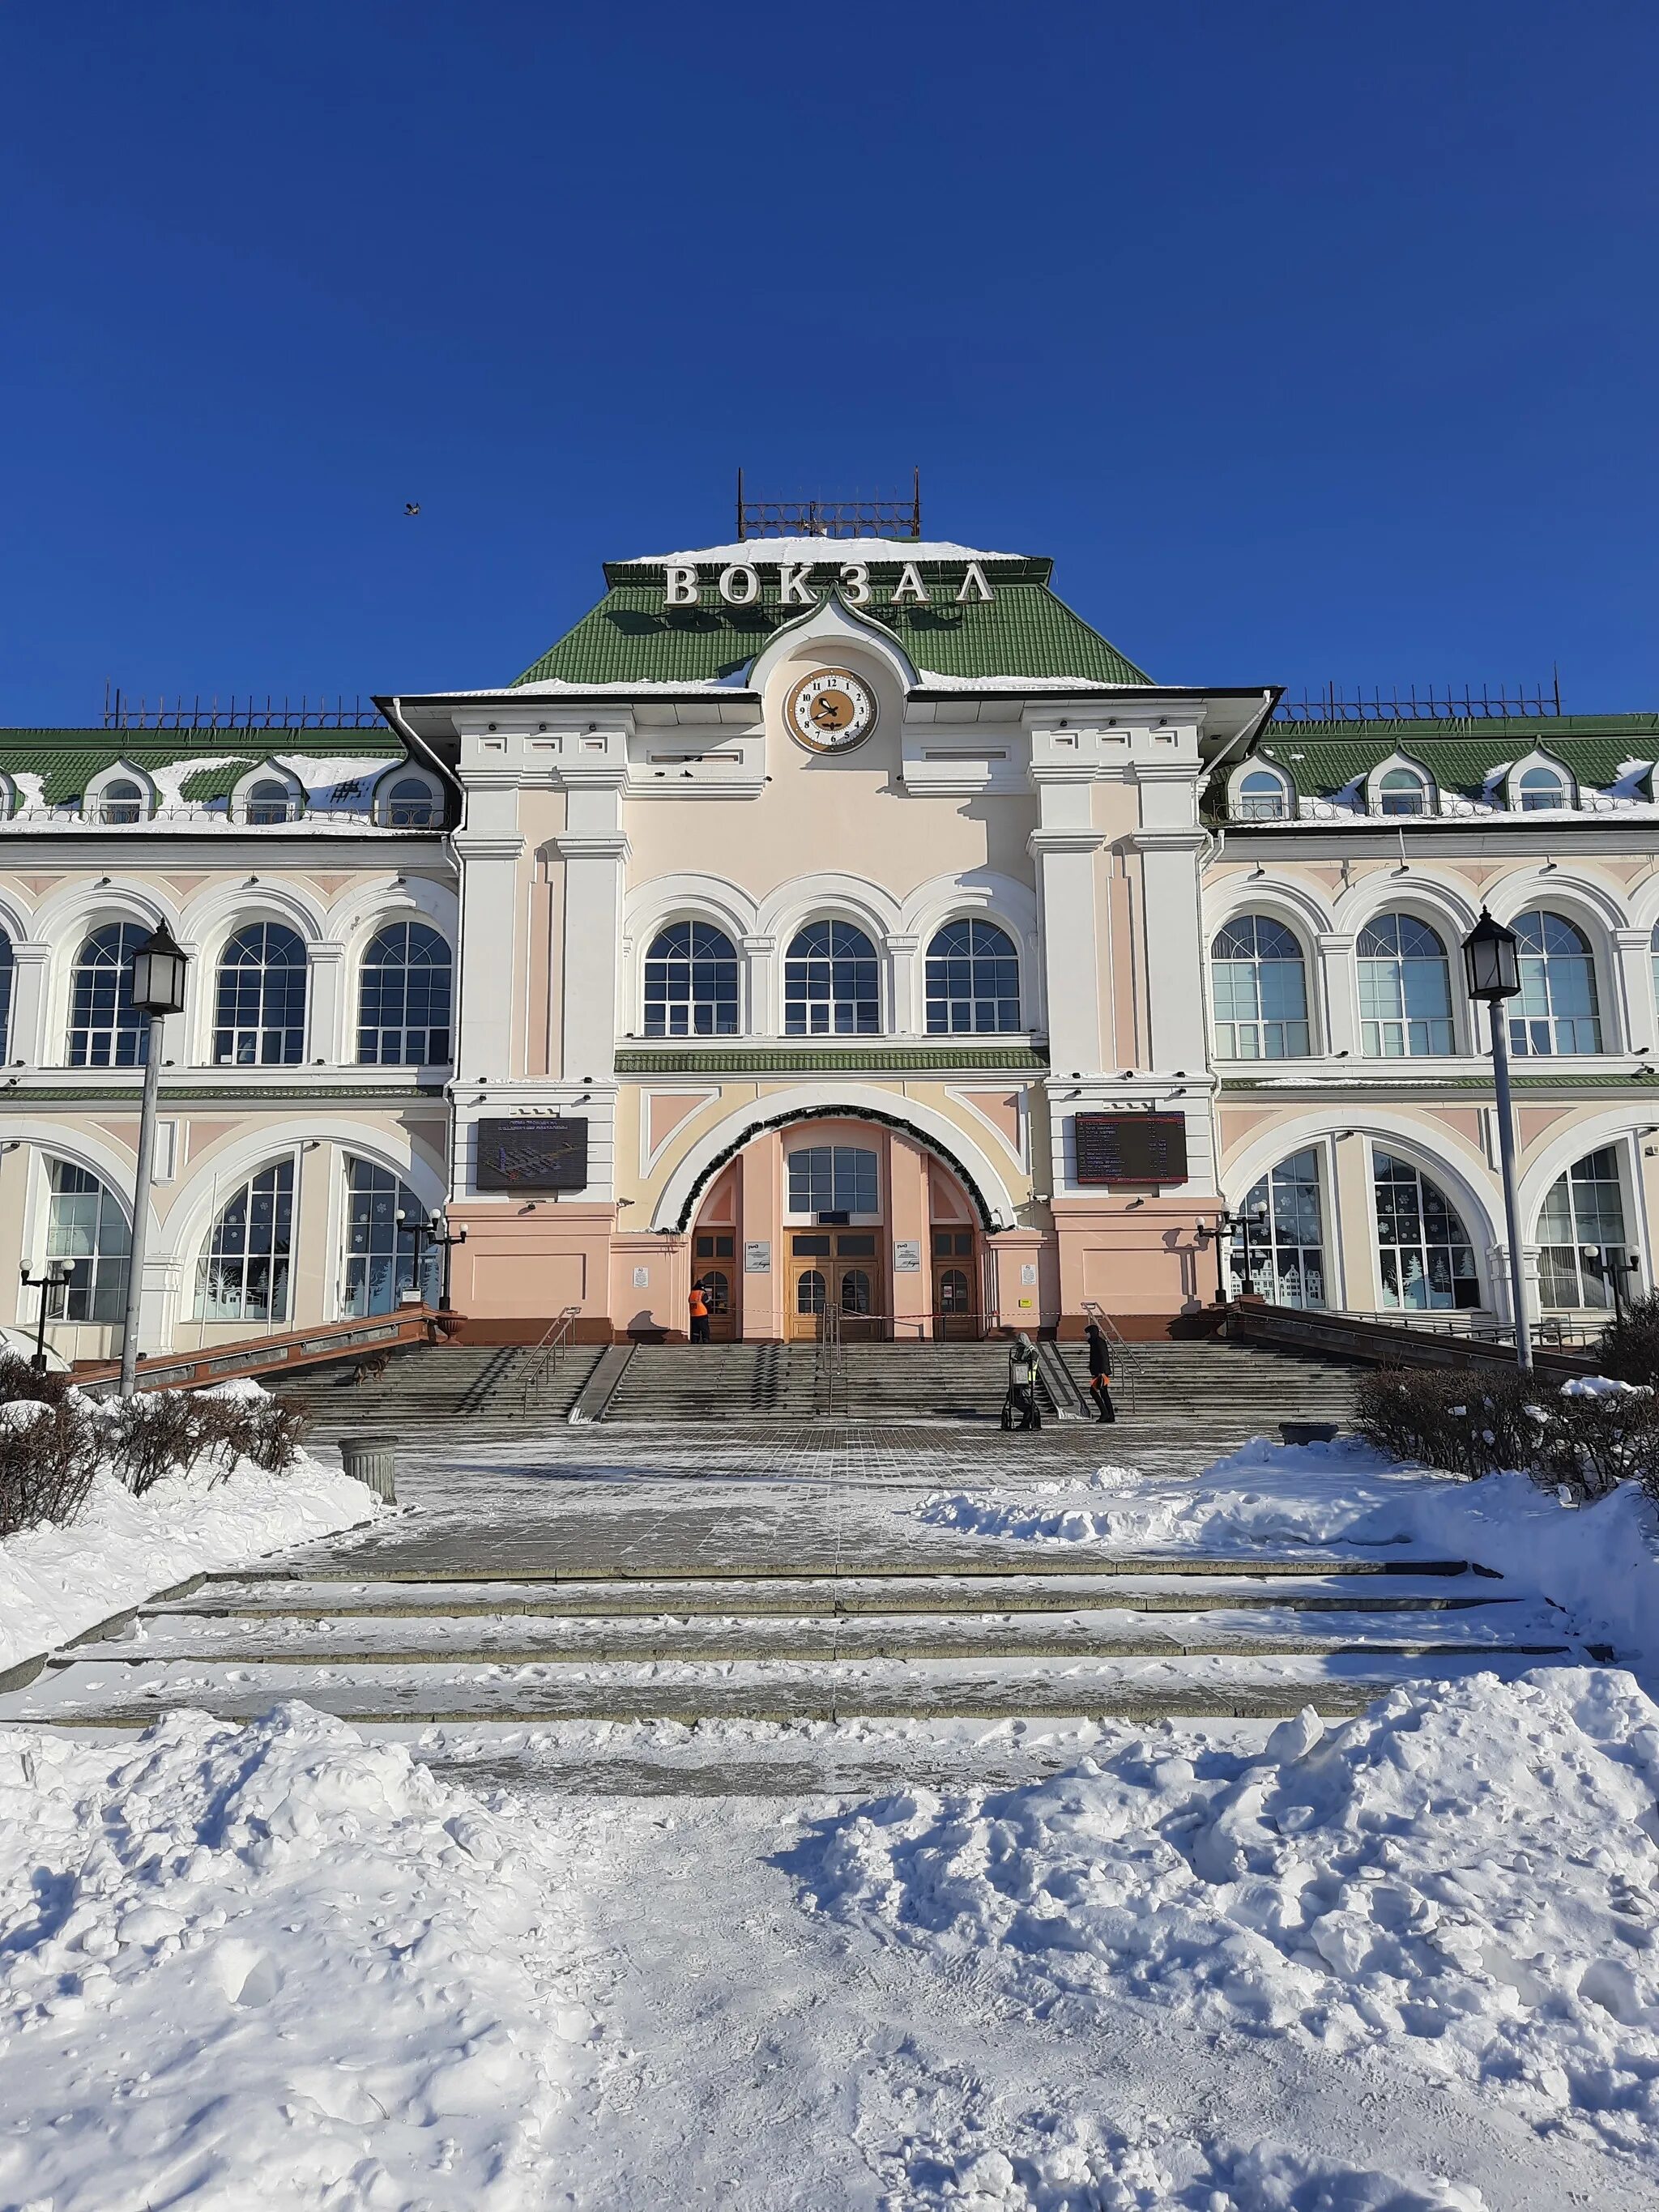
x: 269, y: 1966
x: 1468, y: 1873
x: 57, y: 1582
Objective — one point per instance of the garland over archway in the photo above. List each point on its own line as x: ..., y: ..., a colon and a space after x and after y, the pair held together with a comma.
x: 746, y: 1136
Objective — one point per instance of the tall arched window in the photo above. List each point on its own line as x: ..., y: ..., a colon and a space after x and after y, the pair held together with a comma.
x: 1279, y: 1247
x: 973, y: 980
x: 1557, y: 1010
x: 1261, y: 797
x: 1581, y: 1235
x: 831, y: 983
x: 6, y: 969
x: 1405, y: 989
x: 243, y: 1274
x: 261, y: 1020
x: 691, y: 982
x: 833, y: 1179
x: 1260, y: 992
x: 106, y: 1030
x: 380, y: 1251
x: 1427, y: 1263
x: 402, y: 1006
x: 411, y: 805
x: 86, y: 1226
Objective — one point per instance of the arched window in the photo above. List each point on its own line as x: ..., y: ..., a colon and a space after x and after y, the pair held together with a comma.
x: 1557, y: 1010
x: 261, y: 1020
x: 831, y: 986
x: 1260, y: 992
x: 833, y: 1178
x: 1279, y: 1247
x: 691, y: 982
x: 243, y: 1274
x: 1261, y: 798
x: 1402, y: 791
x: 6, y: 969
x: 411, y: 805
x: 1581, y: 1235
x: 1539, y: 790
x: 1405, y: 989
x: 380, y: 1249
x: 122, y: 801
x: 402, y: 1006
x: 106, y: 1030
x: 1427, y: 1261
x: 87, y: 1227
x: 269, y: 802
x: 973, y: 980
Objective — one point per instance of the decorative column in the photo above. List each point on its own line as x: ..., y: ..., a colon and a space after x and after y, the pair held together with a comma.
x: 489, y: 874
x: 1174, y: 947
x: 1065, y: 860
x: 30, y: 978
x: 1635, y: 957
x: 907, y: 1018
x: 761, y: 965
x: 328, y: 1037
x: 593, y: 867
x: 1338, y: 992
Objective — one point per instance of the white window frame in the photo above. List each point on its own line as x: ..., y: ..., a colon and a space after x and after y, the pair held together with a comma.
x: 93, y: 798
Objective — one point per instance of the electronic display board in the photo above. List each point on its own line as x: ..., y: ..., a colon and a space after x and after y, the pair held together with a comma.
x: 1130, y: 1147
x: 532, y: 1155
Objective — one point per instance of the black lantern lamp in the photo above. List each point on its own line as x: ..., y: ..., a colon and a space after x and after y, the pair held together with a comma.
x: 1492, y: 961
x: 158, y: 974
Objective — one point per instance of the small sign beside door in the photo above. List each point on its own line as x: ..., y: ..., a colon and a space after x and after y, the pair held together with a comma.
x: 907, y: 1256
x: 641, y: 1279
x: 757, y: 1259
x: 1028, y: 1271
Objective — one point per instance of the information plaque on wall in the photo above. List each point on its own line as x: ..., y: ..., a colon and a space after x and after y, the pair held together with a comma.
x: 1130, y: 1147
x: 532, y: 1155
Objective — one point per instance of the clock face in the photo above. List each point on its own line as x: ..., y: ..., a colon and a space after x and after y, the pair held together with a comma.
x: 831, y: 711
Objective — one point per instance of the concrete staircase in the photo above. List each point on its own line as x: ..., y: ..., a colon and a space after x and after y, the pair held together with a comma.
x: 1200, y: 1389
x: 479, y: 1389
x: 668, y: 1382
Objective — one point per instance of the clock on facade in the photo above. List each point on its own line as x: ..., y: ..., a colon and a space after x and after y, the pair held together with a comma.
x: 830, y: 711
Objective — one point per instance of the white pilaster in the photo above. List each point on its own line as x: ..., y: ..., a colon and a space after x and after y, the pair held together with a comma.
x: 1174, y: 947
x: 1635, y: 954
x: 593, y: 864
x: 327, y: 1033
x: 906, y: 1018
x: 1064, y: 845
x: 1337, y: 1011
x: 490, y: 873
x: 760, y: 1006
x: 30, y: 977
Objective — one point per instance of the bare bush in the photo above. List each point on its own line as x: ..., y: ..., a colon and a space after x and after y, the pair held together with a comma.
x: 1630, y: 1346
x: 165, y: 1431
x: 1591, y: 1444
x: 261, y: 1429
x: 22, y: 1383
x: 1468, y: 1423
x: 46, y: 1465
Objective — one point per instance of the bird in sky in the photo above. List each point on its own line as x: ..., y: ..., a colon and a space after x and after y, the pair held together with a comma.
x: 411, y: 506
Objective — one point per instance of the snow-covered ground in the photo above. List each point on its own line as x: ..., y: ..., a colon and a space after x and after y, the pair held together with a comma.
x: 57, y: 1582
x: 273, y: 1966
x: 1598, y: 1562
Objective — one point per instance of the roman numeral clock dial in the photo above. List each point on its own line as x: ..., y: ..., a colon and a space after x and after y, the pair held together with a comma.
x: 830, y: 711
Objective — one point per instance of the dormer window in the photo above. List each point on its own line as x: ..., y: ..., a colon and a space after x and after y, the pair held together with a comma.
x: 1402, y: 791
x: 119, y: 796
x: 411, y: 802
x: 1261, y: 796
x: 120, y: 802
x: 1541, y: 790
x: 268, y: 797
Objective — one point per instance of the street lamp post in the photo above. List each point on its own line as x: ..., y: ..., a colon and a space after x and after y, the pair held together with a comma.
x: 1610, y: 1267
x: 157, y: 985
x: 57, y: 1274
x: 446, y: 1239
x: 1492, y: 968
x: 420, y: 1229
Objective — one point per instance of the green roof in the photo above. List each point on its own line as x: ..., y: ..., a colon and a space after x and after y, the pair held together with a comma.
x: 790, y: 1059
x: 631, y: 637
x: 66, y: 761
x: 1322, y: 757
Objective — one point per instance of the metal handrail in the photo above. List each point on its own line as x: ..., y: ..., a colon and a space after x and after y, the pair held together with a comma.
x: 1124, y: 1360
x: 555, y: 1339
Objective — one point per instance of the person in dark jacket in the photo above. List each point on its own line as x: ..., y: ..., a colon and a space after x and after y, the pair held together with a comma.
x: 1021, y: 1382
x: 1100, y: 1372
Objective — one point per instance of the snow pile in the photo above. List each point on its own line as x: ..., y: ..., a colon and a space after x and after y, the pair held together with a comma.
x: 55, y: 1582
x: 1467, y: 1874
x: 271, y: 1966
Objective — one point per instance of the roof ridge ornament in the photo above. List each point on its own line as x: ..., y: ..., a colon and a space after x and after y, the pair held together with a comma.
x: 891, y: 517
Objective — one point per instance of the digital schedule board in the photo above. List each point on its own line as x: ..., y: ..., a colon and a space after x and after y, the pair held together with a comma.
x: 1130, y: 1147
x: 531, y: 1155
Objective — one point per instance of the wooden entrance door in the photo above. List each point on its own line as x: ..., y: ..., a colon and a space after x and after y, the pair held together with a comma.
x: 713, y: 1264
x: 956, y: 1308
x: 841, y: 1267
x: 812, y: 1264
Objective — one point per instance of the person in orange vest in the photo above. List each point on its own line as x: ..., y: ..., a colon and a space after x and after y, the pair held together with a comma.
x: 699, y: 1305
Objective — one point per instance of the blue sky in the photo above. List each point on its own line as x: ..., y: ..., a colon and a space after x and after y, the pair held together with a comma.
x: 1312, y: 340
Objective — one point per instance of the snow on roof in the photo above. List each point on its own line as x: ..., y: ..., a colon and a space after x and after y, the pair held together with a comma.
x: 830, y: 549
x: 930, y: 679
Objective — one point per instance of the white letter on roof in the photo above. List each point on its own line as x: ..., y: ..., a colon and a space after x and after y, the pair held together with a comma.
x: 975, y: 576
x: 855, y: 575
x: 792, y: 580
x: 740, y: 584
x: 910, y: 586
x: 682, y: 590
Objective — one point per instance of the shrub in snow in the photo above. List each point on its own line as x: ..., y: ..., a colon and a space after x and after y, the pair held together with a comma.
x: 156, y: 1435
x: 22, y: 1383
x: 1595, y: 1440
x: 48, y: 1456
x: 1468, y: 1423
x: 1630, y: 1347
